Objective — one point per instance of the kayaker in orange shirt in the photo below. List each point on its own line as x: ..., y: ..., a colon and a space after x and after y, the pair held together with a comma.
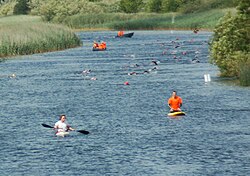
x: 103, y: 45
x: 175, y: 102
x: 120, y: 33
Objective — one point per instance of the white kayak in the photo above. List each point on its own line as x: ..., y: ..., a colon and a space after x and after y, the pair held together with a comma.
x: 62, y: 133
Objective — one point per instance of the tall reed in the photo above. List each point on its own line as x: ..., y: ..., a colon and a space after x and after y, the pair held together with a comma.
x: 146, y: 21
x: 22, y: 35
x: 244, y: 76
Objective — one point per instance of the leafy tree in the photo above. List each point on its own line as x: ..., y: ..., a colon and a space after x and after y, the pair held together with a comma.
x: 58, y: 10
x: 21, y: 7
x: 171, y: 5
x: 230, y: 45
x: 7, y: 8
x: 244, y: 7
x: 154, y: 5
x: 131, y: 6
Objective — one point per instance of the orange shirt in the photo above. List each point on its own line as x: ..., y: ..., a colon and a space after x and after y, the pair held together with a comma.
x: 175, y: 103
x: 120, y: 33
x: 103, y: 45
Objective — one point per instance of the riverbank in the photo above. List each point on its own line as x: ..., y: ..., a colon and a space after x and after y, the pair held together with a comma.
x: 23, y: 35
x: 146, y: 21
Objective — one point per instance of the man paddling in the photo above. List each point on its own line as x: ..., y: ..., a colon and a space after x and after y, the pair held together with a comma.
x: 175, y: 102
x: 61, y: 125
x: 120, y: 33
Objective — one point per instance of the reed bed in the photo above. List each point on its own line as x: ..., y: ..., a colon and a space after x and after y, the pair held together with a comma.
x: 22, y: 35
x: 245, y: 73
x: 146, y: 21
x: 204, y: 20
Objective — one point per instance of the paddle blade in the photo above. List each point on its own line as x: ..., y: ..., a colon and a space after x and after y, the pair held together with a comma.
x: 47, y: 126
x: 83, y: 131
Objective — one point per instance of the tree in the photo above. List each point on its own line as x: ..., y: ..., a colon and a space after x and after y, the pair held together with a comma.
x: 230, y: 45
x: 21, y: 7
x: 154, y: 5
x: 170, y: 5
x: 130, y: 6
x: 244, y: 7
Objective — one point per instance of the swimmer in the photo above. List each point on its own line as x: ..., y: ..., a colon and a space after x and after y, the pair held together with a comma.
x: 132, y: 73
x: 93, y: 78
x: 195, y: 60
x: 86, y: 71
x: 154, y: 62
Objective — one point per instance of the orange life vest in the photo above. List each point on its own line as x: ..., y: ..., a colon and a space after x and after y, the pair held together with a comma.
x: 175, y: 103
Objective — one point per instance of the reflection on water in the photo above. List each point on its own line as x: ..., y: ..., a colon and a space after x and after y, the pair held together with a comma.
x: 130, y: 133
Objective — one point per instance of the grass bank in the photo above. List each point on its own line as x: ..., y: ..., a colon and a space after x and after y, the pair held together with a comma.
x: 22, y: 35
x: 146, y: 21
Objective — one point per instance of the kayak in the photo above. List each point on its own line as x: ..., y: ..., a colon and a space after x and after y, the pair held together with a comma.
x: 180, y: 113
x: 126, y: 35
x: 98, y: 49
x: 62, y: 133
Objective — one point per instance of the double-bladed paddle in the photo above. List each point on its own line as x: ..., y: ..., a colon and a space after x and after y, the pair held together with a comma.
x: 80, y: 131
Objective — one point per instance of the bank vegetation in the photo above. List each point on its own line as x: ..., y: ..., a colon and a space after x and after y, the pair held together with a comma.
x: 22, y: 35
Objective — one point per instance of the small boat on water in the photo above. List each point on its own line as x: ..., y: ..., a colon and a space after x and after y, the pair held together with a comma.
x: 98, y: 49
x: 126, y: 35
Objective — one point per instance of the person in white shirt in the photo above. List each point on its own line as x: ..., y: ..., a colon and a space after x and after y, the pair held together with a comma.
x: 61, y: 125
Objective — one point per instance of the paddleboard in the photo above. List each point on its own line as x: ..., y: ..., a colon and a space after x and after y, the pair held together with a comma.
x: 62, y: 134
x: 180, y: 113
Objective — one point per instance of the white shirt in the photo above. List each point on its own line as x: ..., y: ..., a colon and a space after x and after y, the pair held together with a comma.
x: 61, y: 126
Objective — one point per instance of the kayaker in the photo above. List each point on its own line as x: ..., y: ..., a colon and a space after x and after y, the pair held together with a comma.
x: 103, y: 45
x: 120, y: 33
x: 95, y: 45
x: 61, y: 125
x: 175, y: 102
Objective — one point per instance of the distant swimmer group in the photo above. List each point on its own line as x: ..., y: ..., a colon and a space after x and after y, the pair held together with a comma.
x: 85, y: 74
x: 153, y: 62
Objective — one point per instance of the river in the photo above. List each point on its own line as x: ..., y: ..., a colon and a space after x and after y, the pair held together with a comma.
x: 130, y: 133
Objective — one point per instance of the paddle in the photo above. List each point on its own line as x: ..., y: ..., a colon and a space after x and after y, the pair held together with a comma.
x: 80, y: 131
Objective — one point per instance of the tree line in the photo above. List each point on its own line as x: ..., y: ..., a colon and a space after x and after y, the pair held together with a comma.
x: 50, y: 8
x: 184, y: 6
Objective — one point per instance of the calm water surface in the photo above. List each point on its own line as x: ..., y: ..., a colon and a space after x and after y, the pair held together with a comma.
x: 130, y: 133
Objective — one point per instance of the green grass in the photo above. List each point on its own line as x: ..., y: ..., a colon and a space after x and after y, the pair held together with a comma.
x: 22, y: 35
x: 146, y: 21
